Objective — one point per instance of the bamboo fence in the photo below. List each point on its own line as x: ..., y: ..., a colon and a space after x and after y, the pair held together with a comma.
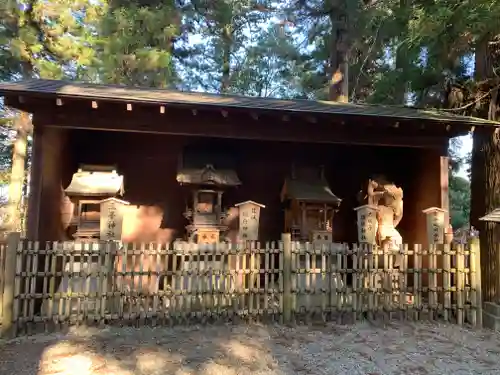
x: 49, y: 286
x: 3, y: 248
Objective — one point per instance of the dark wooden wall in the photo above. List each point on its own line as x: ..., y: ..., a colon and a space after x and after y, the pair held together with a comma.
x: 149, y: 164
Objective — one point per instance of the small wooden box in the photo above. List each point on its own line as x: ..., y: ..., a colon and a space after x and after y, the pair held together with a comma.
x: 208, y: 236
x: 321, y: 236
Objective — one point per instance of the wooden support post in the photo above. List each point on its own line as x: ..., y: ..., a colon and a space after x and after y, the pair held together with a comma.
x: 35, y: 186
x: 303, y: 226
x: 475, y: 281
x: 8, y: 326
x: 287, y: 277
x: 444, y: 191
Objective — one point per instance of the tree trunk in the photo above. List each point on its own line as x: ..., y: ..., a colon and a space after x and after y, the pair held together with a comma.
x: 401, y: 56
x: 485, y: 179
x: 18, y: 172
x: 338, y: 65
x: 226, y: 59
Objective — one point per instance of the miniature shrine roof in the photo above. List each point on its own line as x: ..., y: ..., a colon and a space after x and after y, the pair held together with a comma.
x: 317, y: 191
x: 493, y: 216
x: 61, y: 89
x: 208, y: 176
x: 95, y: 183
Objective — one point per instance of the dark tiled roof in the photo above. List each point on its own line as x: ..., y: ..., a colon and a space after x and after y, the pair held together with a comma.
x: 208, y: 176
x: 172, y: 97
x: 309, y: 191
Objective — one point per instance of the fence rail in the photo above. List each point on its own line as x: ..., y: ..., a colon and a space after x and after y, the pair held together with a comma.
x: 52, y: 285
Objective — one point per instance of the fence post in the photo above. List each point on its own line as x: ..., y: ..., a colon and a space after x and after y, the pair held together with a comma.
x: 475, y: 269
x: 8, y: 287
x: 287, y: 277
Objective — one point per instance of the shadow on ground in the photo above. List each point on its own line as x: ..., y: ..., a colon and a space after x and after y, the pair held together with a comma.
x: 400, y: 348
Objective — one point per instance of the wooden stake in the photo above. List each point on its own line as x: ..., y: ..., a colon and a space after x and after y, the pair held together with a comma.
x: 8, y: 323
x: 286, y: 239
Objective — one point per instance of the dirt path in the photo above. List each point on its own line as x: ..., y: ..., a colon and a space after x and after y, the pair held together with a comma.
x: 255, y: 349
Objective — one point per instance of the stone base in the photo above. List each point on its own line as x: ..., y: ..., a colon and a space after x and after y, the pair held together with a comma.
x: 491, y: 316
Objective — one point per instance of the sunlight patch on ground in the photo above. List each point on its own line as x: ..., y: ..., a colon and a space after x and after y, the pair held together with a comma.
x: 363, y: 348
x: 69, y: 365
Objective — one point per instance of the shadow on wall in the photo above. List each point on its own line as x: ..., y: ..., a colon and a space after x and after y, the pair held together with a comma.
x: 144, y: 224
x: 232, y: 222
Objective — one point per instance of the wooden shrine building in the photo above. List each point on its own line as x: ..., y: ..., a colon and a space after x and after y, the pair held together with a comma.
x: 148, y: 135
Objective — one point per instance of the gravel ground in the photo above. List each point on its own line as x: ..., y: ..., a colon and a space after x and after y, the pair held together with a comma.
x: 400, y: 348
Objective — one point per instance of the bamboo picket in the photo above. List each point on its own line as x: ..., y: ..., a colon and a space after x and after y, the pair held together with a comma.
x: 54, y: 285
x: 3, y: 248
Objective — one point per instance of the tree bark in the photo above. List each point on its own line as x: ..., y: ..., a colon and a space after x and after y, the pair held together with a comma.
x: 485, y: 178
x: 338, y: 61
x: 226, y: 59
x: 18, y: 172
x: 401, y: 56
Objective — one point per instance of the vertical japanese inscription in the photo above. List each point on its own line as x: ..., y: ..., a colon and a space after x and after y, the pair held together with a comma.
x: 111, y: 221
x: 249, y: 220
x: 367, y: 224
x: 362, y: 224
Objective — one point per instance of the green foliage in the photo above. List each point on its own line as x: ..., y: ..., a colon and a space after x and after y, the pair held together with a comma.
x: 41, y: 38
x: 135, y: 44
x: 459, y: 187
x: 269, y: 67
x: 399, y: 51
x: 459, y: 201
x: 6, y: 122
x: 230, y: 32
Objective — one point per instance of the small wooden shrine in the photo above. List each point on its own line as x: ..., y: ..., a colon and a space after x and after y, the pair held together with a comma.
x: 309, y: 206
x: 205, y: 211
x: 90, y: 186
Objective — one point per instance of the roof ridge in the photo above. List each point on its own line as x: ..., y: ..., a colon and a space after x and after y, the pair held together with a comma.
x: 145, y: 95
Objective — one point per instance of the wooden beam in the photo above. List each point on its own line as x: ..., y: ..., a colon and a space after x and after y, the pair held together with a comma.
x: 240, y: 127
x: 430, y: 127
x: 35, y: 181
